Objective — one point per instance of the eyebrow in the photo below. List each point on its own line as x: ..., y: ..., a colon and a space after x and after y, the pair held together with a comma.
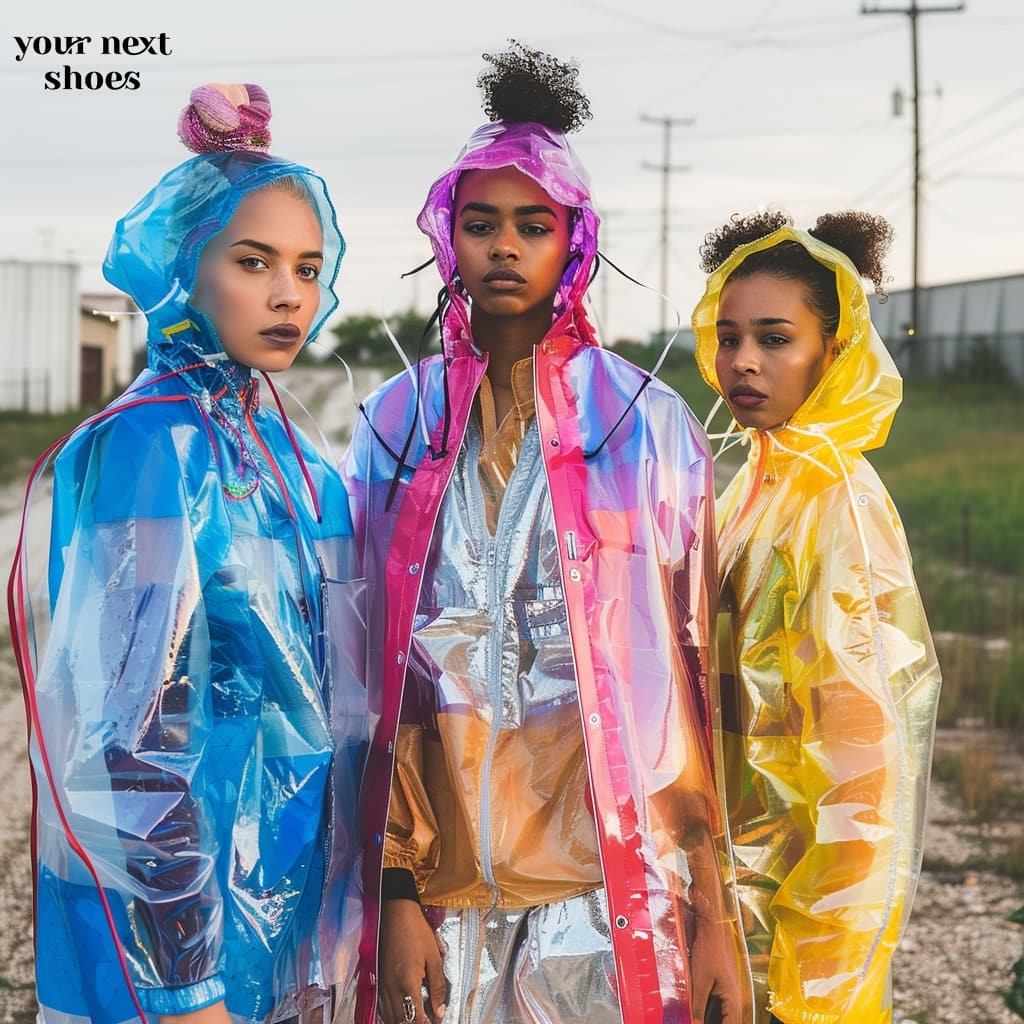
x: 520, y: 211
x: 761, y: 321
x: 269, y: 250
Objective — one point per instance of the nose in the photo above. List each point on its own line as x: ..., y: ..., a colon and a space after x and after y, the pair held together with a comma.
x: 284, y: 293
x: 746, y: 358
x: 505, y: 243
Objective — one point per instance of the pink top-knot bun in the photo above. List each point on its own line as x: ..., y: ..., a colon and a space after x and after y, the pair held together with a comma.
x: 220, y: 118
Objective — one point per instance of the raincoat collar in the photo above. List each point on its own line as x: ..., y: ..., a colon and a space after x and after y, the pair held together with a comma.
x: 548, y: 158
x: 856, y: 399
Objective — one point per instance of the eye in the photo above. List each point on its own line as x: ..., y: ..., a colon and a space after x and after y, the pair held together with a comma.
x: 536, y: 230
x: 476, y: 227
x: 774, y: 340
x: 727, y: 341
x: 308, y: 272
x: 253, y: 263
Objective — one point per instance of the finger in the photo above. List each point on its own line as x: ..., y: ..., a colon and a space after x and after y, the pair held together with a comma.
x: 437, y: 985
x: 385, y: 1006
x: 406, y: 1004
x: 419, y: 1016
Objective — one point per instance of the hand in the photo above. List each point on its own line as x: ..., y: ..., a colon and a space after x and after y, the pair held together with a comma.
x: 714, y: 975
x: 409, y: 958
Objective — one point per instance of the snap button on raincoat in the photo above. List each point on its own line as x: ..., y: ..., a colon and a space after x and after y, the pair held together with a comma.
x: 829, y: 678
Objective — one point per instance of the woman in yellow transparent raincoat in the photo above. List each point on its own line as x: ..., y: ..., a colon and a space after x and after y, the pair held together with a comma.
x: 829, y: 678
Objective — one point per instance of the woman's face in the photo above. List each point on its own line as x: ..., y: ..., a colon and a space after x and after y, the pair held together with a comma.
x: 771, y: 353
x: 511, y: 242
x: 257, y: 279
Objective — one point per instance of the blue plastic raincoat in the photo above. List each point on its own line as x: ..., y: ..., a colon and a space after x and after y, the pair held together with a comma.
x: 191, y: 664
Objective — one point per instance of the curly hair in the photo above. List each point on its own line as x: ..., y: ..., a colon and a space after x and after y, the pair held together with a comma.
x: 862, y: 237
x: 528, y: 85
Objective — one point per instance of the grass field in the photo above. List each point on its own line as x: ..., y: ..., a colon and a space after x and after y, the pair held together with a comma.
x: 24, y: 437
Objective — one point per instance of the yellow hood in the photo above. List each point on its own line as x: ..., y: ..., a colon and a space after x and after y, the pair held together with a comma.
x: 856, y: 399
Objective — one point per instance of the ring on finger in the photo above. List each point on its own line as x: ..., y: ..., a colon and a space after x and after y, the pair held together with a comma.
x: 409, y: 1009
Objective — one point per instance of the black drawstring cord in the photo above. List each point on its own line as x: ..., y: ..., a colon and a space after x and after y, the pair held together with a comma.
x: 444, y: 301
x: 380, y: 440
x: 422, y: 266
x: 400, y: 463
x: 598, y: 257
x: 647, y: 380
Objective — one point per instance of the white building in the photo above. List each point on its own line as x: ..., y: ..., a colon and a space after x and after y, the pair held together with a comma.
x: 63, y: 350
x: 40, y: 366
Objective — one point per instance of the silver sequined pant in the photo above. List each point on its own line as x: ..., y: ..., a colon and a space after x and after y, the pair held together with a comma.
x: 550, y: 964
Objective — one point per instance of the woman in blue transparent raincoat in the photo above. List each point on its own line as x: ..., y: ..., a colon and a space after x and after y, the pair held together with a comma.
x: 192, y: 666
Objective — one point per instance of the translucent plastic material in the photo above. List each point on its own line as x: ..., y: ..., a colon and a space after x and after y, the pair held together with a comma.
x: 192, y: 667
x: 829, y: 679
x: 550, y: 160
x: 606, y: 526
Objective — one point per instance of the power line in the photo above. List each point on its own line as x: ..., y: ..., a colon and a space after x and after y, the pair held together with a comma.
x: 913, y: 12
x: 943, y: 138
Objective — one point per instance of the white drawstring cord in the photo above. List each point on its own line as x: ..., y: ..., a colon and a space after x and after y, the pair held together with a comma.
x: 421, y: 414
x: 711, y: 415
x: 327, y: 447
x: 175, y: 290
x: 732, y: 435
x: 675, y: 334
x: 803, y: 455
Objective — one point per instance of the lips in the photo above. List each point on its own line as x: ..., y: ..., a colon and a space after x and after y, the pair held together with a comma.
x: 745, y: 390
x: 282, y: 334
x: 745, y: 396
x: 503, y: 275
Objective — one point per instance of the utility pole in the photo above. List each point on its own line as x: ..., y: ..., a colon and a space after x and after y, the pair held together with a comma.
x: 913, y: 12
x: 666, y: 168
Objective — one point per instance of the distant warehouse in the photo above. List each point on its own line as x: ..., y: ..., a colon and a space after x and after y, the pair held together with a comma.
x: 63, y: 350
x: 41, y: 364
x: 968, y: 329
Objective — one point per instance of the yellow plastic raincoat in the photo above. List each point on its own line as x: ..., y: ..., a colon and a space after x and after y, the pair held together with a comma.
x: 829, y: 679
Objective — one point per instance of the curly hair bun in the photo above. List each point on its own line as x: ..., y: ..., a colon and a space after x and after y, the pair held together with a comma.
x: 220, y: 118
x: 528, y: 85
x: 864, y: 237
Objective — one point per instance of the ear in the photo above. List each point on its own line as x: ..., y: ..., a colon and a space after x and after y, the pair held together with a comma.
x: 833, y: 349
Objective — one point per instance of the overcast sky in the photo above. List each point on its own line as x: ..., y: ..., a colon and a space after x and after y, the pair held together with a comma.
x: 791, y: 100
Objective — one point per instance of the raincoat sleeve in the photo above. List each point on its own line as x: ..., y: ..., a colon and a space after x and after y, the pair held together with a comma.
x: 412, y: 837
x: 124, y: 694
x: 864, y: 682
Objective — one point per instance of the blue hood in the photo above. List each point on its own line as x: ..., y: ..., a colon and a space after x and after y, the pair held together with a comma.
x: 156, y: 247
